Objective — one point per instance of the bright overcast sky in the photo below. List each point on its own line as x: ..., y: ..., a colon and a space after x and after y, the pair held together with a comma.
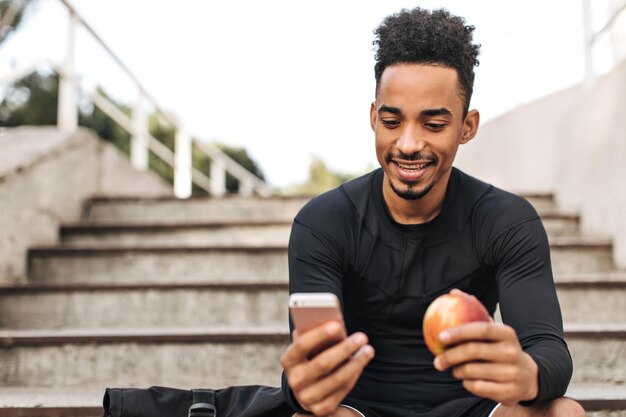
x: 291, y: 79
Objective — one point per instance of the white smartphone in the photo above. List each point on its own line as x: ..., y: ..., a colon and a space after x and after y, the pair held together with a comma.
x: 309, y: 310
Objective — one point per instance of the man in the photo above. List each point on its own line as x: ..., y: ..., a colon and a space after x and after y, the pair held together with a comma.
x: 390, y: 242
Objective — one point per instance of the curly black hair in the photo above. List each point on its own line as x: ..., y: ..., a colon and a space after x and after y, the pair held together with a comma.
x: 422, y: 36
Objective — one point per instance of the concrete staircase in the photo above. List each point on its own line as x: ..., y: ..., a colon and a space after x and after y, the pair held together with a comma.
x: 157, y: 291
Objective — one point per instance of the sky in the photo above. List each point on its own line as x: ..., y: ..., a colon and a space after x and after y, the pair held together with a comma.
x: 290, y: 80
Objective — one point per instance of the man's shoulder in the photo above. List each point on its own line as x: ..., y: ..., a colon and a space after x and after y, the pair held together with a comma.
x: 499, y: 208
x: 335, y: 206
x: 497, y: 200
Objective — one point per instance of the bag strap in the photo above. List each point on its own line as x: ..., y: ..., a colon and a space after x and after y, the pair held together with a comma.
x: 203, y: 403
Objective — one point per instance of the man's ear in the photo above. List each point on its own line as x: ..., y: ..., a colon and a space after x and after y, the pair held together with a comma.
x: 373, y: 116
x: 470, y: 126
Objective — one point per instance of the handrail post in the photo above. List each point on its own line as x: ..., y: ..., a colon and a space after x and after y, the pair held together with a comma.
x: 67, y: 108
x: 218, y: 178
x: 246, y: 188
x: 183, y: 163
x: 588, y: 46
x: 139, y: 141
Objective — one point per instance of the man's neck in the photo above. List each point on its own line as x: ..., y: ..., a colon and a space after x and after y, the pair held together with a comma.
x: 417, y: 211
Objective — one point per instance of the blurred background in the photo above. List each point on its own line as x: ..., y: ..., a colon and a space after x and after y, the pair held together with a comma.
x: 291, y: 82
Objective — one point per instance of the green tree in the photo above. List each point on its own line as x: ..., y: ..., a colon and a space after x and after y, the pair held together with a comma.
x: 320, y: 179
x: 12, y: 15
x: 31, y: 101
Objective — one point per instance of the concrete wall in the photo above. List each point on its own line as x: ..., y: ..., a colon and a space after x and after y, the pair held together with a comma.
x: 592, y: 164
x: 572, y: 143
x: 520, y: 150
x: 44, y: 178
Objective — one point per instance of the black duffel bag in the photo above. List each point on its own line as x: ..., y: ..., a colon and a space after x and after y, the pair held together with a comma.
x: 240, y: 401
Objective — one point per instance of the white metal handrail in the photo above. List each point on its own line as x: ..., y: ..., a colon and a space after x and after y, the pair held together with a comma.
x: 591, y: 37
x: 248, y: 181
x: 141, y: 141
x: 20, y: 73
x: 118, y: 61
x: 609, y: 23
x: 154, y: 145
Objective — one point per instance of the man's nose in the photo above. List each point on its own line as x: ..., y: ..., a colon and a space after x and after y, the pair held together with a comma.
x: 410, y: 141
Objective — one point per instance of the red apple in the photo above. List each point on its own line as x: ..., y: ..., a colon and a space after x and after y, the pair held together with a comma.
x: 447, y: 311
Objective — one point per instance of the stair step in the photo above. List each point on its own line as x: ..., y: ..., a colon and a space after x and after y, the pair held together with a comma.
x: 54, y: 402
x: 224, y: 233
x: 229, y: 262
x: 199, y: 209
x: 592, y: 302
x: 178, y: 234
x: 560, y: 224
x: 193, y: 210
x: 590, y: 278
x: 541, y: 201
x: 234, y: 304
x: 186, y: 358
x: 52, y: 412
x: 599, y: 352
x: 160, y: 263
x: 597, y: 397
x: 217, y: 357
x: 185, y: 305
x: 33, y: 338
x: 574, y: 254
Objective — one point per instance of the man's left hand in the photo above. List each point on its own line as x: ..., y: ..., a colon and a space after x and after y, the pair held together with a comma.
x: 489, y: 360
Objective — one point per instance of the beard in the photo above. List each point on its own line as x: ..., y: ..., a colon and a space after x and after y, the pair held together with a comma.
x: 410, y: 191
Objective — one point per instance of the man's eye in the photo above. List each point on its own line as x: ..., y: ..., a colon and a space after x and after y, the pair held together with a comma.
x: 390, y: 123
x: 435, y: 126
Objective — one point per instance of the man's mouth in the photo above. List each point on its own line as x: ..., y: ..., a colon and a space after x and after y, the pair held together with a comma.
x: 412, y: 171
x: 413, y: 166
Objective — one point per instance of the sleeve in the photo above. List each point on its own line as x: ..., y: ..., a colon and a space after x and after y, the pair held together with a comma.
x: 529, y: 304
x: 316, y: 261
x: 316, y: 264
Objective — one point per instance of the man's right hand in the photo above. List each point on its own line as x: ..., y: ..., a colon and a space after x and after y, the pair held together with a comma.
x: 322, y: 382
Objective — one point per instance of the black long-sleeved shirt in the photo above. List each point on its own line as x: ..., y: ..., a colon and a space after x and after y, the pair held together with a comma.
x: 485, y: 241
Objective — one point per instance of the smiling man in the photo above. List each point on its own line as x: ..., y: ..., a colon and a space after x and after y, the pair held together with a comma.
x: 420, y: 120
x: 390, y: 242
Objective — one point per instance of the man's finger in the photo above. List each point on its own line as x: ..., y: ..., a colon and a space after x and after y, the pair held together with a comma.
x: 302, y: 346
x: 475, y: 351
x: 334, y: 356
x: 503, y: 393
x: 486, y: 371
x: 330, y: 404
x: 478, y: 330
x: 346, y: 373
x: 310, y: 372
x: 324, y: 396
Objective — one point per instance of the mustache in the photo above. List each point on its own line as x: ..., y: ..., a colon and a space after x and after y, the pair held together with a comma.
x: 417, y: 156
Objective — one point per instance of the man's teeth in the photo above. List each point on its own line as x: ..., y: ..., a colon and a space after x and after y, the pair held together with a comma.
x: 413, y: 167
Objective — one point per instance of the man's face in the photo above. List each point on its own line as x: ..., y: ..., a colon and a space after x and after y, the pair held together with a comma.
x: 418, y: 122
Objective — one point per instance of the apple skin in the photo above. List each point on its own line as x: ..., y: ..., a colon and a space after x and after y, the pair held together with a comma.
x: 450, y: 310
